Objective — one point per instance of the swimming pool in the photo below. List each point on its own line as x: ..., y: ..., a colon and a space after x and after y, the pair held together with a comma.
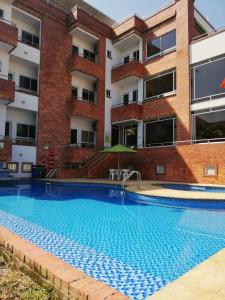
x: 194, y: 188
x: 134, y: 243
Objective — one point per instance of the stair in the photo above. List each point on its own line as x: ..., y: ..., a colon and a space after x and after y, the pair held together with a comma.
x: 4, y: 173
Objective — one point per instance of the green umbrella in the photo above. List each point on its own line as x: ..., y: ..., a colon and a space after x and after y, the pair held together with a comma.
x: 118, y: 149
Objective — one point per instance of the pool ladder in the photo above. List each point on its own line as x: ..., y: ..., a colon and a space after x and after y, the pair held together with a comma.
x: 52, y: 173
x: 125, y: 179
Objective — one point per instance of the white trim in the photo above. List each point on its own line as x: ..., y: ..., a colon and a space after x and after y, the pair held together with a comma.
x: 25, y: 13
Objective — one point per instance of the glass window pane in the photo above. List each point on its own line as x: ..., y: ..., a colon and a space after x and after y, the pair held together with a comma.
x: 168, y: 40
x: 160, y: 132
x: 32, y: 131
x: 153, y: 47
x: 24, y: 82
x: 208, y: 78
x: 33, y: 84
x: 210, y: 125
x: 84, y: 136
x: 125, y: 99
x: 74, y: 92
x: 73, y: 136
x: 160, y: 85
x: 126, y: 59
x: 75, y: 50
x: 7, y: 129
x: 85, y: 94
x: 91, y: 137
x: 22, y: 130
x: 35, y: 41
x: 135, y: 95
x: 91, y: 96
x: 27, y: 37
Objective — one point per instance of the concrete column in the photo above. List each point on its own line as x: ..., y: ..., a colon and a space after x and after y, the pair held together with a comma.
x: 140, y: 134
x: 2, y: 120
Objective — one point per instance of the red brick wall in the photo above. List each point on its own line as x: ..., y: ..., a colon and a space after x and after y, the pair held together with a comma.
x: 7, y: 90
x: 6, y: 153
x: 183, y: 163
x: 78, y: 155
x: 8, y: 34
x: 127, y: 112
x: 123, y: 71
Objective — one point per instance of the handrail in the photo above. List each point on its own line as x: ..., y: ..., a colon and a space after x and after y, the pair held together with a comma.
x: 129, y: 176
x: 51, y: 173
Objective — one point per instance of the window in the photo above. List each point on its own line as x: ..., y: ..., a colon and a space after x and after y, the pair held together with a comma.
x: 28, y: 83
x: 109, y: 54
x: 159, y: 86
x: 209, y: 127
x: 160, y: 132
x: 73, y: 136
x: 11, y: 76
x: 30, y: 39
x: 136, y: 55
x: 160, y: 169
x: 135, y: 96
x: 126, y: 59
x: 210, y: 170
x: 26, y: 167
x: 12, y: 166
x: 26, y: 131
x: 126, y: 99
x: 7, y: 129
x: 1, y: 65
x: 207, y: 79
x: 88, y: 96
x: 87, y: 139
x: 161, y: 44
x: 75, y: 50
x: 108, y: 93
x: 74, y: 92
x: 1, y: 13
x: 89, y: 55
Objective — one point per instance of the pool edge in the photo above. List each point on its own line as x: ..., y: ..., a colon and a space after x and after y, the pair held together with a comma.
x: 70, y: 282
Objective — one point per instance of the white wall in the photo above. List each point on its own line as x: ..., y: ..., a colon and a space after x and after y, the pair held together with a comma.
x: 7, y: 7
x: 207, y: 48
x: 25, y: 102
x: 22, y: 117
x: 4, y: 58
x: 2, y: 120
x: 20, y: 67
x: 81, y: 124
x: 23, y: 154
x: 82, y: 44
x: 82, y: 83
x: 26, y: 52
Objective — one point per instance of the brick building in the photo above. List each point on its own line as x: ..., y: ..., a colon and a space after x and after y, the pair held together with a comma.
x: 72, y: 81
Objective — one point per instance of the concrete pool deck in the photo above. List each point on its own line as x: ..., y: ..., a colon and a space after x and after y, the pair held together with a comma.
x: 153, y: 188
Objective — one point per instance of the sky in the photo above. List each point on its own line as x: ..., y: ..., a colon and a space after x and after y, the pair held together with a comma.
x: 214, y: 10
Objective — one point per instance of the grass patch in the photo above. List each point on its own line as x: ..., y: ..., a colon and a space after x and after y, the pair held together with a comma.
x: 15, y: 285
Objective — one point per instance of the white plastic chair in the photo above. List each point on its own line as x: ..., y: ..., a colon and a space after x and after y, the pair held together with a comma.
x: 125, y: 172
x: 112, y: 174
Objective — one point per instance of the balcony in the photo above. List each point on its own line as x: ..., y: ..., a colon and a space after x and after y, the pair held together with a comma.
x: 132, y: 111
x: 78, y: 63
x: 82, y: 108
x: 8, y: 34
x: 7, y: 90
x: 132, y: 68
x: 5, y: 150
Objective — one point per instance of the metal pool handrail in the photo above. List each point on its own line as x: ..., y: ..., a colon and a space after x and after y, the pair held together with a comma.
x: 129, y: 176
x: 51, y: 173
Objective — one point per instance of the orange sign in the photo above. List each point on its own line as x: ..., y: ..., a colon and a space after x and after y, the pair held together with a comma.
x: 222, y: 85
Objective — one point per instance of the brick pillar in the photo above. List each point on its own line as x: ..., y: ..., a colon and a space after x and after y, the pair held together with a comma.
x: 184, y: 27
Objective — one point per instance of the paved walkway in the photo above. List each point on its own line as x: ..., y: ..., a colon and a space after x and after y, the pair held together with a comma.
x: 153, y: 188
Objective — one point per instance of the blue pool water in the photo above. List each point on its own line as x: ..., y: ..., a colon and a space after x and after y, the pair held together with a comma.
x: 194, y: 188
x: 136, y: 244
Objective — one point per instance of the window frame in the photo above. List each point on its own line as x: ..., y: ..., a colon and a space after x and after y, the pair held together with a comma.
x: 206, y: 166
x: 128, y: 101
x: 28, y: 132
x: 73, y: 129
x: 193, y: 81
x: 88, y: 56
x: 22, y: 167
x: 30, y: 84
x: 89, y: 92
x: 10, y: 129
x: 171, y: 49
x: 27, y: 42
x: 87, y: 143
x: 108, y: 93
x: 173, y: 92
x: 12, y: 163
x: 157, y: 145
x: 158, y: 172
x: 109, y: 54
x: 3, y: 14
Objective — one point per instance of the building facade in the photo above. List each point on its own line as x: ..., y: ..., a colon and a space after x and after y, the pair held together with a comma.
x: 73, y: 81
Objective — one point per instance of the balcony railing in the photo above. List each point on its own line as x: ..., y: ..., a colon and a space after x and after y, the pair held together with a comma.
x: 208, y: 98
x: 125, y: 104
x: 26, y: 91
x: 7, y: 22
x: 126, y: 62
x: 74, y: 98
x: 74, y: 53
x: 28, y: 43
x: 209, y: 34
